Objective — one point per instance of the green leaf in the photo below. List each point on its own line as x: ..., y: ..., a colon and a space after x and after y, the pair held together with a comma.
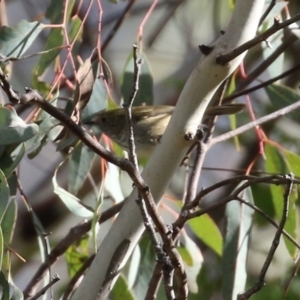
x: 239, y: 221
x: 4, y: 287
x: 8, y: 222
x: 98, y: 100
x: 185, y: 255
x: 55, y: 39
x: 76, y: 255
x: 207, y: 231
x: 13, y: 130
x: 80, y: 163
x: 4, y: 195
x: 263, y: 200
x: 145, y: 268
x: 281, y: 96
x: 71, y: 202
x: 282, y: 162
x: 74, y: 28
x: 120, y: 290
x: 145, y: 92
x: 35, y: 144
x: 10, y: 161
x: 291, y: 224
x: 193, y: 259
x: 208, y: 286
x: 1, y: 248
x: 14, y: 41
x: 56, y: 10
x: 275, y: 165
x: 13, y: 183
x: 293, y: 161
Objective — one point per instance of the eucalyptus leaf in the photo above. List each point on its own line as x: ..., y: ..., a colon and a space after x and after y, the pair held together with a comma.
x: 193, y: 259
x: 5, y: 289
x: 145, y: 92
x: 281, y: 96
x: 4, y: 195
x: 284, y: 162
x: 13, y: 129
x: 80, y: 163
x: 239, y: 221
x: 207, y: 231
x: 14, y: 41
x: 120, y: 290
x: 71, y: 202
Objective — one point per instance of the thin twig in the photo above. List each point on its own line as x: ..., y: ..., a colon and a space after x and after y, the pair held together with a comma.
x: 261, y: 85
x: 270, y: 220
x: 39, y: 231
x: 261, y: 278
x: 128, y: 105
x: 53, y: 280
x: 169, y: 248
x: 170, y: 259
x: 264, y: 65
x: 267, y: 11
x: 192, y: 187
x: 154, y: 283
x: 33, y: 97
x: 253, y: 124
x: 227, y: 57
x: 74, y: 234
x: 236, y: 179
x: 162, y: 257
x: 289, y: 281
x: 70, y: 287
x: 274, y: 179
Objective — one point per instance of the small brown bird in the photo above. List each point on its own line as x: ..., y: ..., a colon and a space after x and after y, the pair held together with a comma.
x: 149, y: 124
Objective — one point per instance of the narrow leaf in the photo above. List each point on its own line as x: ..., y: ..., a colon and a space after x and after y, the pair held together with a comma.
x: 8, y: 222
x: 239, y: 220
x: 4, y: 291
x: 281, y: 96
x: 71, y: 202
x: 14, y: 41
x: 1, y: 247
x: 79, y: 165
x: 193, y: 259
x: 13, y: 129
x: 284, y: 162
x: 207, y: 231
x: 120, y: 290
x: 4, y: 195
